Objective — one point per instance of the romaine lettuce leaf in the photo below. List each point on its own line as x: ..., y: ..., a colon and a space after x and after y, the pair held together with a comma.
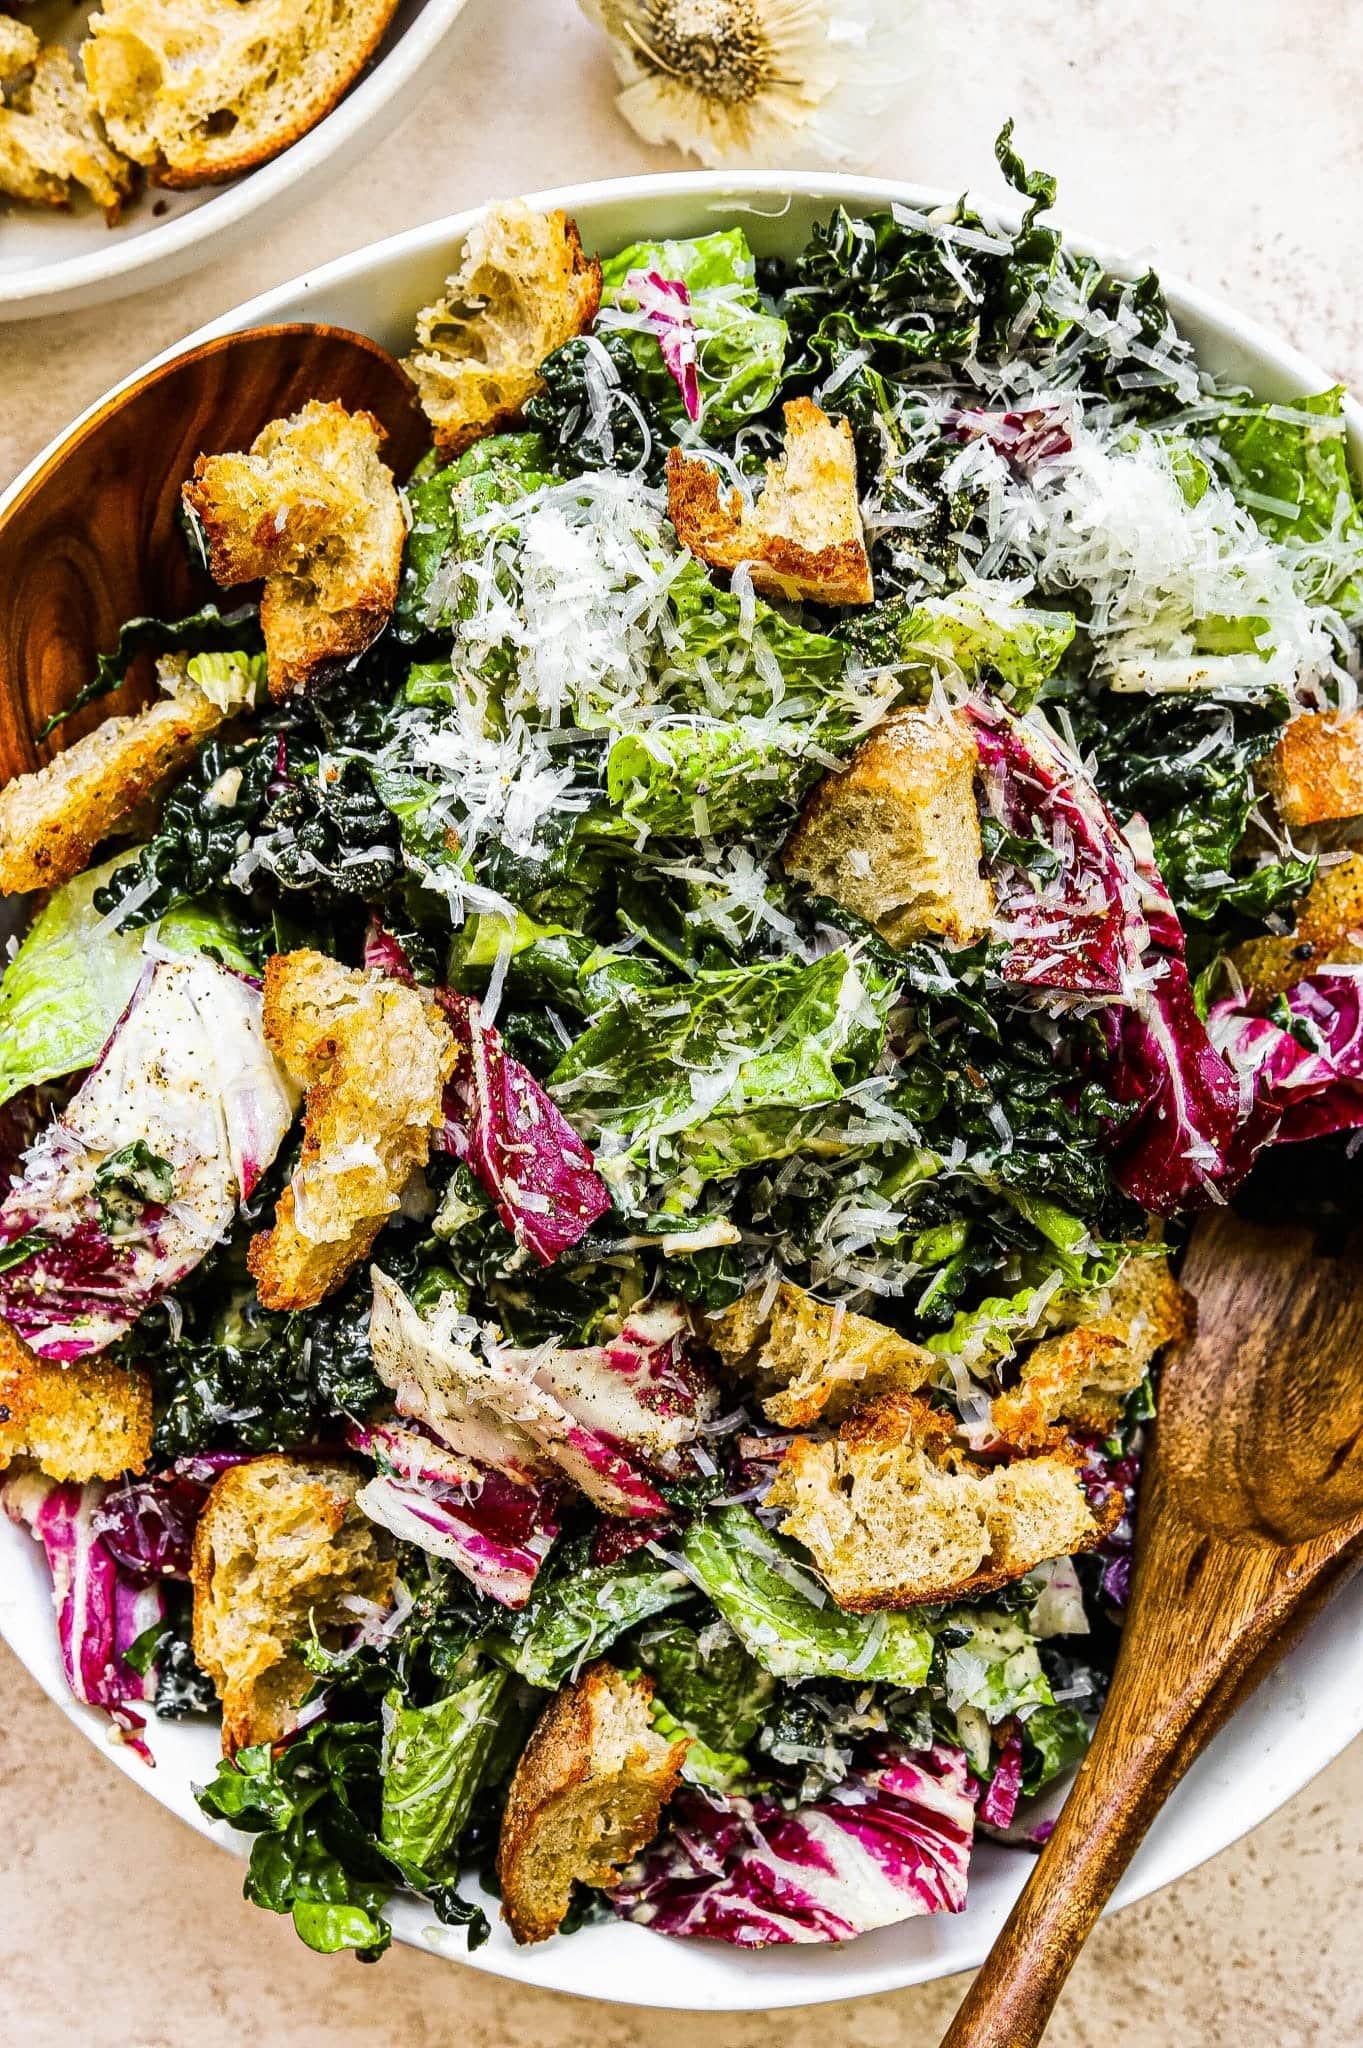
x: 784, y: 1618
x: 581, y: 1611
x: 973, y: 631
x: 443, y: 499
x: 434, y: 1761
x: 703, y: 777
x: 709, y: 1681
x: 726, y: 1070
x: 1294, y: 478
x: 740, y: 348
x: 997, y: 1670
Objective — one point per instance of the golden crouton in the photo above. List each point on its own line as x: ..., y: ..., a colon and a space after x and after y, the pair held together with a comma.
x: 523, y: 288
x: 52, y: 820
x: 812, y: 1358
x: 281, y: 1551
x: 1329, y: 929
x: 374, y: 1057
x: 50, y: 138
x: 1083, y: 1374
x: 198, y: 91
x: 88, y: 1420
x: 585, y: 1799
x: 1315, y: 773
x: 803, y: 537
x: 895, y: 836
x: 894, y: 1514
x: 314, y: 511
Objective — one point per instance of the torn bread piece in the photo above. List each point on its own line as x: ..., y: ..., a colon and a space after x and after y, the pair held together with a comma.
x: 895, y: 836
x: 1315, y: 772
x: 314, y: 511
x: 52, y: 820
x: 523, y: 288
x: 803, y: 537
x: 198, y: 91
x: 815, y: 1358
x: 91, y: 1419
x: 51, y: 141
x: 894, y: 1513
x: 374, y: 1056
x: 1328, y: 931
x: 585, y: 1799
x: 281, y: 1551
x: 1083, y: 1374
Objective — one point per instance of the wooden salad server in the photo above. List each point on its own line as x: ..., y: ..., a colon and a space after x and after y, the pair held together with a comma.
x: 92, y: 539
x: 1251, y: 1516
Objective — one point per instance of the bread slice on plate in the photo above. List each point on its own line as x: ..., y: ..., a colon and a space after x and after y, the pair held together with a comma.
x: 199, y: 90
x: 50, y: 139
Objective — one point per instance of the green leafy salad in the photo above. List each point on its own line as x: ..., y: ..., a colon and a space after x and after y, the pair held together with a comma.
x: 592, y: 1189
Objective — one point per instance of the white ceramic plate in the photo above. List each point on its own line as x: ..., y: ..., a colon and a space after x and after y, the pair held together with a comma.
x: 1299, y: 1721
x: 52, y: 261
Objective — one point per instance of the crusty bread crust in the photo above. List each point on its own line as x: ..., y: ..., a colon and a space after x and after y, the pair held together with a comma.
x: 523, y: 287
x: 374, y: 1057
x: 813, y: 1359
x: 1083, y: 1374
x: 1329, y: 929
x: 52, y: 820
x: 1315, y: 772
x: 314, y: 511
x: 585, y: 1799
x: 803, y: 537
x: 195, y: 115
x: 280, y: 1550
x: 91, y: 1419
x: 895, y: 1514
x: 895, y: 836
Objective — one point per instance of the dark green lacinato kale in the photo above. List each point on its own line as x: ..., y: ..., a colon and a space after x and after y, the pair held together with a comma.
x: 207, y: 631
x: 1186, y: 765
x: 597, y: 410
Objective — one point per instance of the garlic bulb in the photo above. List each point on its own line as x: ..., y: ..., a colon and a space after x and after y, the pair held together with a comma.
x: 757, y: 82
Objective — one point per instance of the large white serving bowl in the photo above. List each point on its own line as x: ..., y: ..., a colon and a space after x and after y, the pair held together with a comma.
x: 53, y: 262
x: 1301, y: 1718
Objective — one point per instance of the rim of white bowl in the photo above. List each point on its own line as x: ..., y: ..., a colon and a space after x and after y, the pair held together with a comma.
x: 727, y: 1979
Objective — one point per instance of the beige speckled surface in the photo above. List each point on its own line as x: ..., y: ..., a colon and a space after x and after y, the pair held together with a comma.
x: 1223, y: 136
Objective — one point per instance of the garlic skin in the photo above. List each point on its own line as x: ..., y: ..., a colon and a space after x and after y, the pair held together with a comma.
x: 759, y: 83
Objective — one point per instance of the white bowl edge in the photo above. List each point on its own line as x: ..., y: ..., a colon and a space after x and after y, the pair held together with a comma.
x: 1303, y: 1716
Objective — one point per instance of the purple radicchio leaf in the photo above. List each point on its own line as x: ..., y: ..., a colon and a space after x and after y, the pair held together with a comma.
x: 890, y: 1842
x: 494, y: 1530
x: 999, y: 1801
x: 101, y: 1608
x: 385, y: 954
x: 1080, y: 930
x: 187, y: 1074
x: 665, y: 303
x: 1023, y: 438
x: 1300, y: 1068
x: 642, y: 1389
x: 148, y: 1524
x: 516, y: 1141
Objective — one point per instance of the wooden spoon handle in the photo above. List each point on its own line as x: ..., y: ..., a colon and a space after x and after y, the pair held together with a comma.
x: 1209, y: 1621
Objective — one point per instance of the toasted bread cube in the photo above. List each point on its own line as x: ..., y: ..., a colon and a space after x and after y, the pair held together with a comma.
x: 19, y: 48
x: 313, y: 510
x: 815, y: 1358
x: 91, y: 1419
x: 523, y: 288
x: 894, y: 1514
x: 1329, y: 931
x: 585, y: 1799
x: 50, y: 138
x: 895, y: 836
x: 281, y: 1550
x: 1315, y: 772
x: 803, y: 538
x: 374, y: 1057
x: 52, y: 820
x: 1083, y: 1374
x: 199, y: 92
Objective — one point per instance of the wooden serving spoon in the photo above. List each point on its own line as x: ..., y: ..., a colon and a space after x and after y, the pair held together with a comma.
x: 1251, y: 1516
x: 92, y: 541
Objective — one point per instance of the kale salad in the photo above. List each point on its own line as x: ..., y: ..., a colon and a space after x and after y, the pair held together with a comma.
x: 601, y: 1092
